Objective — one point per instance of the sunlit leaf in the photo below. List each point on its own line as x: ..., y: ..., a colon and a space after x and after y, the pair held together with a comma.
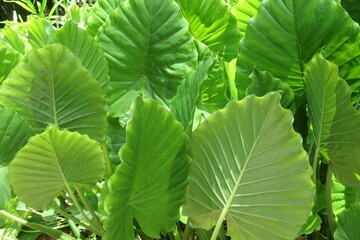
x: 348, y: 224
x: 242, y: 156
x: 5, y: 189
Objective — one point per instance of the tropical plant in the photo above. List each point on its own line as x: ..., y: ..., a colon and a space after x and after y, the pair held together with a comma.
x: 179, y: 119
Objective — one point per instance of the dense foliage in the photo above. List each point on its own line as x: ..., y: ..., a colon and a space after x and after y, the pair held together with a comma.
x: 181, y: 119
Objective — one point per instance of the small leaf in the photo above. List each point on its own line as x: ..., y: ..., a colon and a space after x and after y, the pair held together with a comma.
x: 149, y: 184
x: 342, y: 197
x: 53, y: 161
x: 242, y: 156
x: 8, y: 59
x: 264, y: 82
x: 348, y: 224
x: 313, y: 224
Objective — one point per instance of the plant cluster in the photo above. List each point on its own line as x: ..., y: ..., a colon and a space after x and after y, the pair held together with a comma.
x: 181, y: 119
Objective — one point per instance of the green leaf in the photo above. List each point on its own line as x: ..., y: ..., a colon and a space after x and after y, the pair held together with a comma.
x: 14, y: 39
x: 353, y: 8
x: 87, y: 50
x: 243, y: 11
x: 52, y: 162
x: 149, y: 184
x: 342, y: 197
x: 348, y: 224
x: 214, y: 90
x: 101, y: 11
x: 264, y: 82
x: 51, y: 86
x: 313, y: 224
x: 149, y: 49
x: 39, y: 32
x: 335, y: 120
x: 242, y: 156
x: 284, y: 57
x: 5, y: 189
x: 212, y: 23
x: 14, y: 133
x: 8, y: 59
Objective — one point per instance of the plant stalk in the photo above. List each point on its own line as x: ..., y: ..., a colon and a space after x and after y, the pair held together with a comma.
x: 42, y: 228
x: 108, y: 164
x: 328, y: 203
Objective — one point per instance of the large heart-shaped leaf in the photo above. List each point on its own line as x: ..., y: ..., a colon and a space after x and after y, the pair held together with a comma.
x: 242, y: 157
x: 149, y: 49
x: 14, y: 133
x: 51, y: 86
x: 300, y: 39
x: 52, y: 162
x: 212, y: 23
x: 149, y: 184
x: 8, y: 59
x: 87, y: 50
x: 335, y: 120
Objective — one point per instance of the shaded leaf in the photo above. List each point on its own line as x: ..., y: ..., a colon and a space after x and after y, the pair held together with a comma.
x: 313, y: 224
x: 242, y: 156
x: 52, y: 162
x: 14, y: 133
x: 149, y: 184
x: 212, y: 23
x: 51, y: 86
x: 264, y: 82
x: 144, y: 54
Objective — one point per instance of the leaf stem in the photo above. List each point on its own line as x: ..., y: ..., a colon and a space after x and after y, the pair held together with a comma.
x: 108, y: 164
x: 328, y: 203
x: 186, y: 234
x: 42, y: 228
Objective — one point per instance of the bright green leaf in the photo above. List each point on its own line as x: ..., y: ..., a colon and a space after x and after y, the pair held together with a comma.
x: 313, y: 224
x: 13, y: 38
x: 39, y: 32
x: 243, y: 11
x: 335, y: 120
x: 51, y: 86
x: 149, y: 49
x: 242, y: 157
x: 212, y: 23
x: 52, y: 162
x: 8, y: 59
x: 348, y: 224
x: 87, y: 50
x: 304, y: 26
x: 342, y: 197
x: 264, y: 82
x: 5, y: 189
x: 14, y: 133
x: 149, y: 184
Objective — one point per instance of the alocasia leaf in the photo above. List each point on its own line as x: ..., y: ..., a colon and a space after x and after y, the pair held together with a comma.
x: 87, y: 50
x: 52, y: 162
x: 39, y: 32
x: 149, y: 184
x: 242, y: 157
x: 212, y: 23
x: 101, y: 11
x: 353, y: 8
x: 348, y: 224
x: 264, y: 82
x: 149, y: 49
x: 243, y: 11
x: 13, y: 38
x: 334, y: 119
x: 51, y: 86
x: 304, y: 26
x: 14, y: 133
x: 5, y: 189
x: 342, y: 197
x: 8, y: 59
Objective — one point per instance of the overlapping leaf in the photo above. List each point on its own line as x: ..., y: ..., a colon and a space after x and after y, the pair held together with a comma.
x: 149, y: 184
x: 149, y: 49
x: 5, y: 189
x: 212, y: 23
x: 348, y: 224
x: 325, y: 24
x: 52, y: 162
x: 8, y: 59
x: 87, y: 50
x: 244, y: 10
x: 14, y: 133
x: 51, y: 86
x: 335, y: 120
x: 242, y: 156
